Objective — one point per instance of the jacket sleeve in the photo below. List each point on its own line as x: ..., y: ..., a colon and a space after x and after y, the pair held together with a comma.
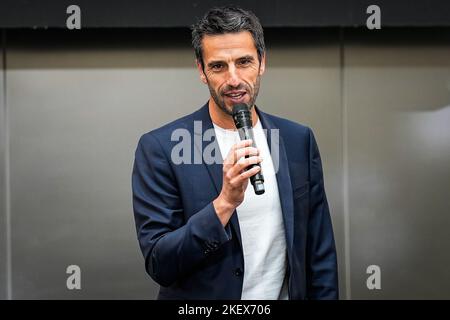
x: 321, y: 262
x: 171, y: 246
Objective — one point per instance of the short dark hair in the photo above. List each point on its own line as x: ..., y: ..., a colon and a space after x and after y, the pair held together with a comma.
x: 227, y: 19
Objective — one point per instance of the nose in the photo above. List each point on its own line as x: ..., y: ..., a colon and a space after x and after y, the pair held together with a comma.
x: 233, y: 77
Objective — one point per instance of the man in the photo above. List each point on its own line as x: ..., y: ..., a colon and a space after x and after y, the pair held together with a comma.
x: 203, y: 231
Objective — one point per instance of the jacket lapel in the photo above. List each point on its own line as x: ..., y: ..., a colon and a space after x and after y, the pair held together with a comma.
x: 283, y: 176
x: 215, y: 169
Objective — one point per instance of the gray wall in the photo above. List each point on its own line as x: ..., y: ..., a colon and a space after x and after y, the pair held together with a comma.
x: 397, y: 97
x: 78, y: 104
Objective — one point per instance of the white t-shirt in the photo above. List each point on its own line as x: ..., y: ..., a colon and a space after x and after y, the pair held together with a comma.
x: 261, y: 224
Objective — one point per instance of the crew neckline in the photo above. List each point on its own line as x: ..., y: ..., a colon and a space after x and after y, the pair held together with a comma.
x: 258, y: 124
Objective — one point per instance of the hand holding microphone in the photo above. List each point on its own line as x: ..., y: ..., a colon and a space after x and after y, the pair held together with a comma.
x: 242, y: 162
x: 235, y: 178
x: 243, y: 120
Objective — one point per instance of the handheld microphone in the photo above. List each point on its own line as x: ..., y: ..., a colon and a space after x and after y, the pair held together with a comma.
x: 243, y: 120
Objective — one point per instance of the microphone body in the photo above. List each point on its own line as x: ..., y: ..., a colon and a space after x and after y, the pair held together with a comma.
x: 243, y: 120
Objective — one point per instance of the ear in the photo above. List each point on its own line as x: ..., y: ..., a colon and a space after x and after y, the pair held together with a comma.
x: 262, y: 68
x: 200, y: 70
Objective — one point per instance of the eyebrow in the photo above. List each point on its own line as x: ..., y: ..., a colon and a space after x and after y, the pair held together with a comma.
x: 246, y: 57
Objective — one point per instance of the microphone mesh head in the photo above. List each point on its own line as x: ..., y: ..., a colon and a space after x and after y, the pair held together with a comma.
x: 242, y: 116
x: 239, y: 107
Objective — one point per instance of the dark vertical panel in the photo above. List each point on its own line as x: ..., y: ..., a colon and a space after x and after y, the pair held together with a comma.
x: 3, y: 154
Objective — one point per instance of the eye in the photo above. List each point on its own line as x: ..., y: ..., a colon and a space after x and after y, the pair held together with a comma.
x: 216, y: 67
x: 244, y: 62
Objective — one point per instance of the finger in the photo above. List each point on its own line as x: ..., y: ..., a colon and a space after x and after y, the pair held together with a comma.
x: 242, y: 164
x: 240, y: 144
x: 232, y: 155
x: 247, y: 151
x: 244, y: 175
x: 239, y: 153
x: 243, y: 143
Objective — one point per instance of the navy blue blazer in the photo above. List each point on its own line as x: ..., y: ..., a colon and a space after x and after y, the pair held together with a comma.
x: 189, y: 253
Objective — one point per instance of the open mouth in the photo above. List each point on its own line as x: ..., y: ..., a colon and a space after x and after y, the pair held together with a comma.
x: 236, y: 97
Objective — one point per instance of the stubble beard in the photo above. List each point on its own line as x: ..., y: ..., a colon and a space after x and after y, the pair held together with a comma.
x: 220, y: 101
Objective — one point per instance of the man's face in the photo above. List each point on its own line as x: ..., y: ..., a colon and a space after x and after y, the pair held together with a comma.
x: 232, y: 70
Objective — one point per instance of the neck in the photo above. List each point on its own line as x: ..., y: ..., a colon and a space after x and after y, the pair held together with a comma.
x: 223, y: 119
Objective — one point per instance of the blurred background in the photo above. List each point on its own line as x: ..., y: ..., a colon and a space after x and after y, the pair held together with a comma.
x: 73, y: 104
